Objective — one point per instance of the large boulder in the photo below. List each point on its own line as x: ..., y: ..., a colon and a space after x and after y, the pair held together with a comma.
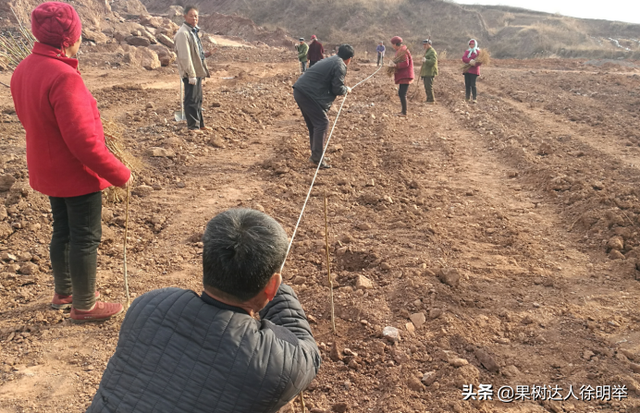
x: 166, y: 40
x: 176, y: 14
x: 152, y: 21
x: 168, y: 27
x: 165, y: 55
x: 137, y: 41
x: 148, y: 58
x: 94, y: 36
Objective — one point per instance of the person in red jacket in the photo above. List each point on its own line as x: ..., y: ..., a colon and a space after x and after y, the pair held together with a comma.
x: 316, y: 51
x: 403, y: 76
x: 67, y: 156
x: 472, y: 74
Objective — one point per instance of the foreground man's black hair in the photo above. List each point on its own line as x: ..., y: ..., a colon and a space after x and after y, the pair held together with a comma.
x: 345, y: 51
x: 243, y: 248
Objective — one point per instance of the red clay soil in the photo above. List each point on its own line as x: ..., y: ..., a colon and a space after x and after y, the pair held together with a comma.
x: 500, y: 238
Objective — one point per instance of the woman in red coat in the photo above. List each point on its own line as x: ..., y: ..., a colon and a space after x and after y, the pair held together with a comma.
x: 472, y: 74
x: 403, y: 75
x: 67, y: 156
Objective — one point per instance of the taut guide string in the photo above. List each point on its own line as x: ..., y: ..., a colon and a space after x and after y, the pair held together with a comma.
x: 315, y: 175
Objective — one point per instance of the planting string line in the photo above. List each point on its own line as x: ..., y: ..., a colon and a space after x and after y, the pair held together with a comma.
x: 315, y: 175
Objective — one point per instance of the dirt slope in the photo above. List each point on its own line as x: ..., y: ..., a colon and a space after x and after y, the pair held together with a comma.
x: 530, y: 197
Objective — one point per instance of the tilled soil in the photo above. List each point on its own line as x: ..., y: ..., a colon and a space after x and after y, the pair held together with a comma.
x: 500, y: 238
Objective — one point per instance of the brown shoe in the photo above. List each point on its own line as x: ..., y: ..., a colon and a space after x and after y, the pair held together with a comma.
x: 63, y: 302
x: 195, y: 131
x: 206, y: 128
x: 402, y: 115
x: 100, y: 312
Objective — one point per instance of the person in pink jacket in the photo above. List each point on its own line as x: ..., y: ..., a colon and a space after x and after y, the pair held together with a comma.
x: 403, y: 75
x: 67, y: 156
x: 472, y: 74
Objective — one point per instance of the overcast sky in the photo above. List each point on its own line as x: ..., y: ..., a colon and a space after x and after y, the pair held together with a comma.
x: 621, y: 10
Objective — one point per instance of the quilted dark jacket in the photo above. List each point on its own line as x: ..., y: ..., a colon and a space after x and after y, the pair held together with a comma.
x: 179, y: 352
x: 324, y: 81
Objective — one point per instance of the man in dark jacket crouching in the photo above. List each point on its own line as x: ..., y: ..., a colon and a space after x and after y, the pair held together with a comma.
x: 181, y: 352
x: 315, y: 92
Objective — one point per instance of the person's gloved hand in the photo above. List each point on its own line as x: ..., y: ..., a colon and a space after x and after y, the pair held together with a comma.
x: 348, y: 89
x: 193, y: 80
x: 424, y: 59
x: 472, y: 62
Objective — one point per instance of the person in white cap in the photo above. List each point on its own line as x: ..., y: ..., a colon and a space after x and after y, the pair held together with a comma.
x: 429, y: 69
x: 302, y: 48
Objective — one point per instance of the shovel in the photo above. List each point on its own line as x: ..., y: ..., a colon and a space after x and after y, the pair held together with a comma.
x: 179, y: 116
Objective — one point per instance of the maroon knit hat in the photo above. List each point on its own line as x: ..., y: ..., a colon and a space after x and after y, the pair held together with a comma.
x: 396, y: 40
x: 56, y: 24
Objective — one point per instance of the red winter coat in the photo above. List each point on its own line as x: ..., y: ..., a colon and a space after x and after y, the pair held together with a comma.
x: 316, y: 51
x: 66, y: 152
x: 467, y: 58
x: 404, y: 69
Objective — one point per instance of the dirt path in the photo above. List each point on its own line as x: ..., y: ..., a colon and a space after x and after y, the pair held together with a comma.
x: 500, y: 238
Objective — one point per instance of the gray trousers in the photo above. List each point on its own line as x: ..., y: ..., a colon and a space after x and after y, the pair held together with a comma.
x: 303, y: 67
x: 316, y: 120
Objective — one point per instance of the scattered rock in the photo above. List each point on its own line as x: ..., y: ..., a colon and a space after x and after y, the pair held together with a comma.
x: 28, y: 268
x: 217, y: 142
x: 545, y: 149
x: 363, y: 283
x: 415, y: 384
x: 339, y: 407
x: 487, y: 360
x: 435, y: 313
x: 428, y: 378
x: 449, y: 276
x: 392, y: 334
x: 615, y: 243
x: 3, y: 213
x: 5, y: 230
x: 410, y: 328
x: 418, y: 319
x: 142, y: 190
x: 160, y: 152
x: 6, y: 181
x: 364, y: 226
x: 5, y: 256
x: 635, y: 367
x: 335, y: 354
x: 458, y: 362
x: 25, y: 256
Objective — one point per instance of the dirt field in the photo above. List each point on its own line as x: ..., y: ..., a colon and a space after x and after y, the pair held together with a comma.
x: 501, y: 238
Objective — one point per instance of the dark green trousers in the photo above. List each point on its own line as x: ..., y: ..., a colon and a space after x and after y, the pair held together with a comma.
x: 77, y: 231
x: 428, y: 88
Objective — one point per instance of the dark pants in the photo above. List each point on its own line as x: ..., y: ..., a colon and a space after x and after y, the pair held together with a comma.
x: 303, y: 66
x: 402, y: 93
x: 380, y: 59
x: 193, y: 104
x: 317, y: 123
x: 428, y: 88
x: 312, y: 63
x: 470, y: 85
x: 77, y: 230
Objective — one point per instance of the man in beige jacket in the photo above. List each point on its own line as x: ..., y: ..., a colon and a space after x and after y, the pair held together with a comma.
x: 192, y: 68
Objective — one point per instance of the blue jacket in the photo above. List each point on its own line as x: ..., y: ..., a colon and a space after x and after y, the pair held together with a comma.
x: 179, y: 352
